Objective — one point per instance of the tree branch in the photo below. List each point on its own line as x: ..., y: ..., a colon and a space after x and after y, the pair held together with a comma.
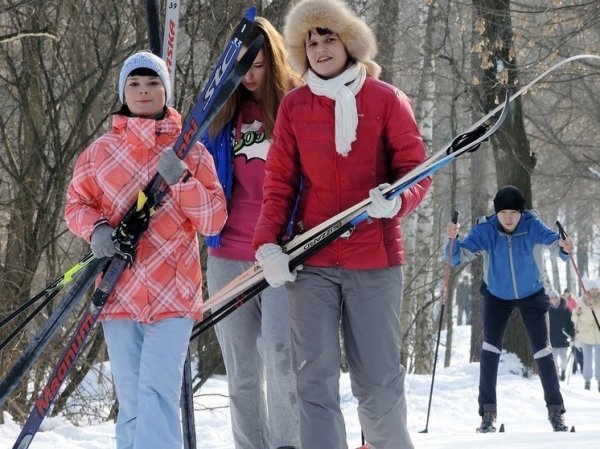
x: 23, y: 34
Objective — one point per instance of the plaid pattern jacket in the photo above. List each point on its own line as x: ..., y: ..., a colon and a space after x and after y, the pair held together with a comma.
x: 165, y: 279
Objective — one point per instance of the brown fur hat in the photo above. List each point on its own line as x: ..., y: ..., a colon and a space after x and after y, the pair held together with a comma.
x: 336, y: 16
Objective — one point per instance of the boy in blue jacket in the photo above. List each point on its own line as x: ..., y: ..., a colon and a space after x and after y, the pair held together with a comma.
x: 511, y: 242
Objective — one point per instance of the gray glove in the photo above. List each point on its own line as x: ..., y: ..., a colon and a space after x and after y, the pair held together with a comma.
x: 170, y: 167
x: 102, y: 243
x: 380, y: 206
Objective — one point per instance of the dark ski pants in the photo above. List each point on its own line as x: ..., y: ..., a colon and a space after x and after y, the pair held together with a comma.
x: 534, y: 312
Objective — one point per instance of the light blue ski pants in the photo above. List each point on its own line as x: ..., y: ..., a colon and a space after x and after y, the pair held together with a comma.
x: 146, y: 361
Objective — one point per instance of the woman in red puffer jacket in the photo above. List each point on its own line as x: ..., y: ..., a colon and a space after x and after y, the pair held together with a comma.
x: 342, y: 136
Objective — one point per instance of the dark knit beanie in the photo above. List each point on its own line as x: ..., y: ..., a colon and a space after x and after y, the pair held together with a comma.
x: 509, y: 197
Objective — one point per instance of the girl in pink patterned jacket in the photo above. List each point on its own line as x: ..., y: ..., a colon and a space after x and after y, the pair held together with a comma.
x: 148, y: 318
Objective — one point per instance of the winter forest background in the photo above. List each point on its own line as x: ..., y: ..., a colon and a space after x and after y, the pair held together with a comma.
x: 59, y: 62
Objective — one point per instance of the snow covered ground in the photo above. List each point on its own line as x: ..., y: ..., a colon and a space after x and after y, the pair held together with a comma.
x: 452, y: 421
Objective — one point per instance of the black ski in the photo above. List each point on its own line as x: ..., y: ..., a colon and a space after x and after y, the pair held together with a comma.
x: 188, y: 421
x: 222, y: 83
x: 251, y: 282
x: 152, y: 24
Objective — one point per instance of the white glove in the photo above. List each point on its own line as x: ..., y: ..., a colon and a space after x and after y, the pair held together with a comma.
x: 380, y: 206
x: 275, y: 264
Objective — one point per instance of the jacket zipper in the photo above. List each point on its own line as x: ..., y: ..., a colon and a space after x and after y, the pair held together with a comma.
x: 512, y: 266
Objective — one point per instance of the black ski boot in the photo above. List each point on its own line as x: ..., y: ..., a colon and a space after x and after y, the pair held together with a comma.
x: 557, y: 419
x: 488, y: 422
x: 562, y: 375
x: 587, y: 385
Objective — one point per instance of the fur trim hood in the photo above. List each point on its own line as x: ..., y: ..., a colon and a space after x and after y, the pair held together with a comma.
x: 336, y: 16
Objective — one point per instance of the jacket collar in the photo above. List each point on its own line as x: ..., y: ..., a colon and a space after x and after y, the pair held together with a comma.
x: 142, y: 132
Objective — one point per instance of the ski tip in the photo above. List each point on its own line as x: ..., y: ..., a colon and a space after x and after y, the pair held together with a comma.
x: 501, y: 428
x: 423, y: 431
x: 250, y: 13
x: 572, y: 429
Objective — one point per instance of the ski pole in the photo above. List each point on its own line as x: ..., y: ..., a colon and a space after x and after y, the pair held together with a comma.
x: 51, y: 289
x: 586, y: 294
x: 27, y: 319
x: 569, y: 358
x: 50, y: 328
x: 443, y: 304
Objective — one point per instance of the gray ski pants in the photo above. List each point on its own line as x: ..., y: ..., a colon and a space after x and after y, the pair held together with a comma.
x: 255, y: 343
x: 367, y: 303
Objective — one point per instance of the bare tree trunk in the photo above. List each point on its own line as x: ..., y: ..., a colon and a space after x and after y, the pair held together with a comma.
x: 22, y: 254
x: 498, y: 73
x: 479, y: 207
x: 423, y: 256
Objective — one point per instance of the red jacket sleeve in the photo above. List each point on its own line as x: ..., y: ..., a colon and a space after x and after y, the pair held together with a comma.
x: 407, y: 149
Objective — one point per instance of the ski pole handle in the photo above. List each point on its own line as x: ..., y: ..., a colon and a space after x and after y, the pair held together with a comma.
x: 561, y: 230
x: 454, y: 216
x: 586, y: 295
x: 449, y: 264
x: 452, y: 231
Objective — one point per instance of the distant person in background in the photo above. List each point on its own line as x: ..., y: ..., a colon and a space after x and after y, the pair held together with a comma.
x: 562, y: 331
x: 571, y: 302
x: 463, y: 301
x: 570, y: 299
x: 588, y: 334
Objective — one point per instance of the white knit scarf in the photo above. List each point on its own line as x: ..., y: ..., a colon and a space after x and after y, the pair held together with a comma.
x: 342, y: 90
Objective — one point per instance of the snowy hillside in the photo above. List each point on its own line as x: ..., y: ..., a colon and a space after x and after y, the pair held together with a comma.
x: 452, y: 422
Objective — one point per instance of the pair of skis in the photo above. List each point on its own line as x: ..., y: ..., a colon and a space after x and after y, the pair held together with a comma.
x: 501, y: 429
x: 251, y: 282
x: 222, y: 83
